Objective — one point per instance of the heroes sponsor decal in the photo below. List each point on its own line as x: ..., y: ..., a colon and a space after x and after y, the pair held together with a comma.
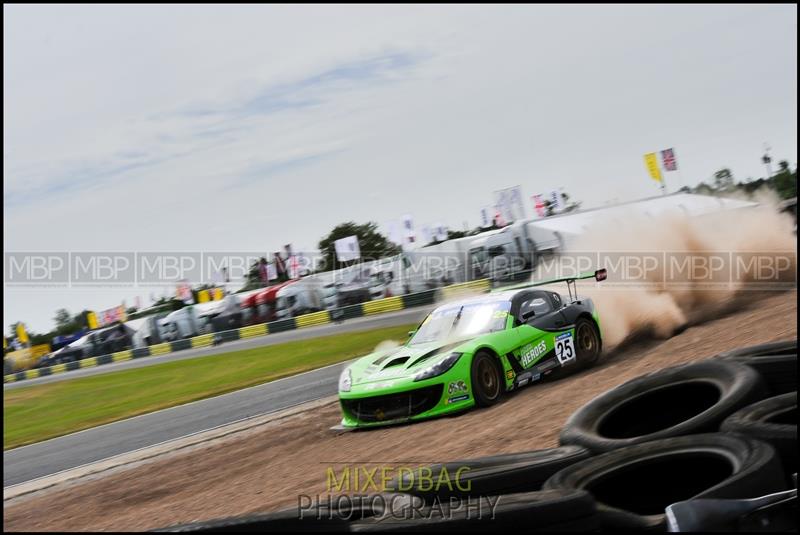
x: 531, y: 352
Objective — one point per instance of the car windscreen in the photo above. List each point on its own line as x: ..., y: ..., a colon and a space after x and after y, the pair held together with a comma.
x: 465, y: 320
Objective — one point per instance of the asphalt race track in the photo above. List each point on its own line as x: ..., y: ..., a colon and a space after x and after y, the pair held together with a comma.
x: 62, y: 453
x: 390, y: 319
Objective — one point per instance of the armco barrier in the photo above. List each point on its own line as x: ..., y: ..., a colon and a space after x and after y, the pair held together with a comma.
x: 370, y: 308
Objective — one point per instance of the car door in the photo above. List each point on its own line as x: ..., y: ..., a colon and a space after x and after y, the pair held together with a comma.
x: 537, y: 319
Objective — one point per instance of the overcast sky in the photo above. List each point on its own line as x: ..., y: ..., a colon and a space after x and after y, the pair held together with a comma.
x: 242, y: 128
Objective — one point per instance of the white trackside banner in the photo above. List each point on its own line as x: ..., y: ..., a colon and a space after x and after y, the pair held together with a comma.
x: 347, y: 249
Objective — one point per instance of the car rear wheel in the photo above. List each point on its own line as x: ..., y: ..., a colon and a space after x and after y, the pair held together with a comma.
x: 587, y: 340
x: 486, y: 380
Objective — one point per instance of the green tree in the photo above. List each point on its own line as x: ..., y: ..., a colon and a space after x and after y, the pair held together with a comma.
x: 62, y: 318
x: 785, y: 181
x: 723, y: 179
x: 371, y: 243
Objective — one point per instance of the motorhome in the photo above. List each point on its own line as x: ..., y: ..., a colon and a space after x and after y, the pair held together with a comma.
x: 300, y: 297
x: 514, y: 249
x: 180, y: 324
x: 150, y: 331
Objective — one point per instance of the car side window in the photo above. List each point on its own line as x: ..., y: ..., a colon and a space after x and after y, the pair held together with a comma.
x: 538, y: 305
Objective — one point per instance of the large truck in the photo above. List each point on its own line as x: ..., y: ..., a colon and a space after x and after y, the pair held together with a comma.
x: 180, y: 324
x: 353, y: 284
x: 150, y: 332
x: 300, y: 297
x: 511, y: 251
x: 448, y: 262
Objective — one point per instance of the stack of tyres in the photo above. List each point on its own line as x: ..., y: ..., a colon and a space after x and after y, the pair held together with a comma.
x: 772, y: 420
x: 723, y: 428
x: 493, y: 475
x: 649, y: 452
x: 682, y: 400
x: 538, y: 512
x: 634, y: 484
x: 776, y: 362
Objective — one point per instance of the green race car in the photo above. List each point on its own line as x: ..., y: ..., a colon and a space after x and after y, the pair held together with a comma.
x: 469, y: 352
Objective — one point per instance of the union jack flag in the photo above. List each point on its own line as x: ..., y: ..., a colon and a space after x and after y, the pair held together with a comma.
x: 668, y: 159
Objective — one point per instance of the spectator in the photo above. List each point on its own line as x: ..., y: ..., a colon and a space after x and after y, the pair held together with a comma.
x: 280, y: 267
x: 262, y: 271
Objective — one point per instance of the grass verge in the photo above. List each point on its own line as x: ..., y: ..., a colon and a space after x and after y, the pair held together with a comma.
x: 36, y: 413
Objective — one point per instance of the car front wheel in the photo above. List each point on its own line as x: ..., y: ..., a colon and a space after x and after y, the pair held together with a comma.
x: 486, y: 380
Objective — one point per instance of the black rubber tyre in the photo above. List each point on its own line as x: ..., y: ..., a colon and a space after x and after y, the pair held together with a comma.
x: 329, y: 515
x: 286, y: 521
x: 682, y: 400
x: 587, y: 342
x: 776, y: 362
x: 543, y: 511
x: 489, y: 476
x: 487, y: 381
x: 772, y: 420
x: 633, y: 486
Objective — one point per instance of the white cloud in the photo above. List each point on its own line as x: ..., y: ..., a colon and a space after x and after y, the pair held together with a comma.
x: 419, y: 109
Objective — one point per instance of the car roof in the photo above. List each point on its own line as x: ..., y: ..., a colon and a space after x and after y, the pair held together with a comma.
x: 483, y: 298
x: 493, y: 297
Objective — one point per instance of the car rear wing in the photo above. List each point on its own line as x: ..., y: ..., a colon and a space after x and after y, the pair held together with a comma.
x: 598, y: 275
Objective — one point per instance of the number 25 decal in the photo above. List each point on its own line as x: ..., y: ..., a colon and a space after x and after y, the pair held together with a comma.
x: 565, y: 348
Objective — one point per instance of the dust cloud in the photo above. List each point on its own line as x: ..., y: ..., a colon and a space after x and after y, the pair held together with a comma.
x: 748, y: 246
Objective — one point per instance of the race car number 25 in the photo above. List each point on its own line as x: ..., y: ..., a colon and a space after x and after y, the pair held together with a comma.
x: 565, y: 348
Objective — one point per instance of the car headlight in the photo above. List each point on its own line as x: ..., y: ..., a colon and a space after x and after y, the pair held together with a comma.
x: 439, y: 368
x: 345, y: 381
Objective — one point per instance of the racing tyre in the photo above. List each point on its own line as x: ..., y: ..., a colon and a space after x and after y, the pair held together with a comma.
x: 776, y: 362
x: 587, y: 342
x: 286, y: 521
x: 488, y: 476
x: 692, y: 398
x: 543, y: 511
x: 634, y: 485
x: 772, y: 420
x: 329, y: 515
x: 487, y: 381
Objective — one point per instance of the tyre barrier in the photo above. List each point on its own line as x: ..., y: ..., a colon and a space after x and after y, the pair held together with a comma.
x: 682, y: 400
x: 310, y: 517
x: 536, y: 512
x: 776, y: 362
x: 634, y: 485
x: 494, y: 475
x: 773, y: 420
x: 379, y: 306
x: 696, y: 432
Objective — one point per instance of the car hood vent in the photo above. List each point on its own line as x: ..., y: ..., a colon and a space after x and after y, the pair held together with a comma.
x: 396, y: 362
x: 436, y: 351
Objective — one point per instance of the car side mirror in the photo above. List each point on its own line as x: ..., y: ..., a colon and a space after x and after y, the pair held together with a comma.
x: 528, y: 315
